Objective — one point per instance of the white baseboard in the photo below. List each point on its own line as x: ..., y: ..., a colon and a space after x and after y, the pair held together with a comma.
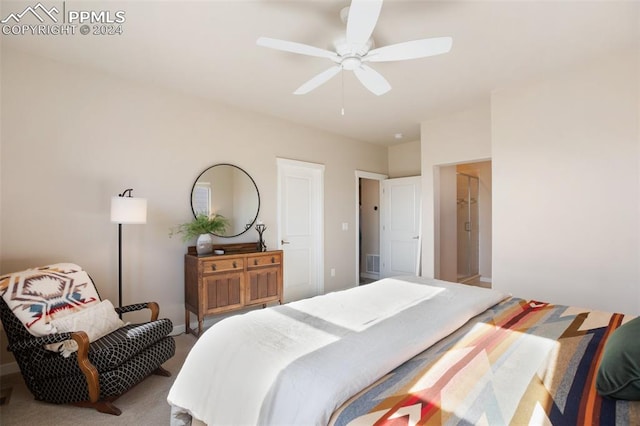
x: 485, y: 279
x: 370, y: 276
x: 177, y: 330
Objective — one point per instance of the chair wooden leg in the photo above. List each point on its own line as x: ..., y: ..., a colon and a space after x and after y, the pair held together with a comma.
x: 161, y: 372
x: 102, y: 406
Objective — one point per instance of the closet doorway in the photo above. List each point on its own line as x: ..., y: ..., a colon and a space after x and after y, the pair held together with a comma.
x: 387, y: 226
x: 368, y: 192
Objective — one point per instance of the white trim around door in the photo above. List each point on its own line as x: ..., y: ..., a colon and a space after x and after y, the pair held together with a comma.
x: 307, y: 240
x: 364, y: 175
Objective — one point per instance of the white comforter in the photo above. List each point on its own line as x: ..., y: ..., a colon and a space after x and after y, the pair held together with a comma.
x: 295, y: 364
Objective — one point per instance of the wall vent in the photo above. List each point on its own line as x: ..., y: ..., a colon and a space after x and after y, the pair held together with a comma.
x: 373, y: 263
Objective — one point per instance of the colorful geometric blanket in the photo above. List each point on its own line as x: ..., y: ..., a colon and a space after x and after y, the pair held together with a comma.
x: 518, y: 363
x: 39, y: 295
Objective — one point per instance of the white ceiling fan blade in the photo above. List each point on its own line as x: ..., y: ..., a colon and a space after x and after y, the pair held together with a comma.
x: 372, y: 80
x: 293, y: 47
x: 362, y: 19
x: 410, y: 50
x: 318, y: 80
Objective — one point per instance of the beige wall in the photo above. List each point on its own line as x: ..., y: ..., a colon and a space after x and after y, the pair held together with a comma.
x: 448, y: 227
x: 404, y: 159
x: 73, y: 137
x: 565, y: 187
x: 565, y: 179
x: 462, y: 137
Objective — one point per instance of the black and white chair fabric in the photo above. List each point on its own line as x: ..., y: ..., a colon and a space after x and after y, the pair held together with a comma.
x: 70, y: 345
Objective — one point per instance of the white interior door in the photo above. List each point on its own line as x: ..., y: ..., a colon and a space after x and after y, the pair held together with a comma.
x: 300, y: 227
x: 400, y: 226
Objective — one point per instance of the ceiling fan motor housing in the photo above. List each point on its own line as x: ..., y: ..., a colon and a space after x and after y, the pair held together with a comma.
x: 345, y: 49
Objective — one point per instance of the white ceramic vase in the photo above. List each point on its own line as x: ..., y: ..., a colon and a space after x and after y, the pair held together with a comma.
x: 204, y: 244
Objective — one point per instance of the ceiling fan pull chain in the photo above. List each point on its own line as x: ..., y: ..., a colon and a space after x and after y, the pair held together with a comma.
x: 342, y: 81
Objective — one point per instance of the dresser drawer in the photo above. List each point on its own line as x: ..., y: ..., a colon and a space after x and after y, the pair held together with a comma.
x: 220, y: 284
x: 264, y: 260
x: 221, y: 265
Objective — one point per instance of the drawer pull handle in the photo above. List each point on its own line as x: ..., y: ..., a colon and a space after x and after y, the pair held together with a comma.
x: 273, y: 259
x: 255, y: 261
x: 213, y: 267
x: 234, y: 264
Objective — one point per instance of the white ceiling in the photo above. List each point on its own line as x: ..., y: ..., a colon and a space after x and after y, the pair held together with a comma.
x: 208, y: 48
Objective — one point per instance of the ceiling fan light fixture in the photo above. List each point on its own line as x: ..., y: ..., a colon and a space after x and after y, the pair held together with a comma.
x: 350, y: 63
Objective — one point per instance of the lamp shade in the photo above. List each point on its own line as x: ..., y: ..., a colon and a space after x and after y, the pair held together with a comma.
x: 128, y: 210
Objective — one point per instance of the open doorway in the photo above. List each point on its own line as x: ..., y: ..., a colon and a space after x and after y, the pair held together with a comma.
x: 388, y: 227
x: 369, y: 235
x: 368, y: 226
x: 465, y: 223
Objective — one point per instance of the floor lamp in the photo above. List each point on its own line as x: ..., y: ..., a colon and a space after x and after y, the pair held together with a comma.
x: 125, y: 209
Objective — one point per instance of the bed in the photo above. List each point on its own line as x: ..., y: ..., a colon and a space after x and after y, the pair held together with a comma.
x: 404, y: 350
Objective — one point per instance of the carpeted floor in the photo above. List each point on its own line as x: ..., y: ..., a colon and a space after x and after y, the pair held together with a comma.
x: 145, y: 404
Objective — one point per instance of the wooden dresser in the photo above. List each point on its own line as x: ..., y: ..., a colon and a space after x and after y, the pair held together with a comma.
x: 214, y: 284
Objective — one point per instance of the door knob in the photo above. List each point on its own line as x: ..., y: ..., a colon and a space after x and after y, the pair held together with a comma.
x: 283, y: 242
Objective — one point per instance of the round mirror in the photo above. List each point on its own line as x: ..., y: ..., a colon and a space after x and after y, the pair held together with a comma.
x: 229, y: 191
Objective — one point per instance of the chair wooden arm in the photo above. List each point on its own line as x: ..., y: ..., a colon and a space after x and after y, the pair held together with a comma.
x: 89, y: 370
x: 153, y: 306
x: 155, y: 310
x: 92, y: 376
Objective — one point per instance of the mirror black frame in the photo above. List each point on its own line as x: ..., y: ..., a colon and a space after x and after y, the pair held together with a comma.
x: 252, y: 181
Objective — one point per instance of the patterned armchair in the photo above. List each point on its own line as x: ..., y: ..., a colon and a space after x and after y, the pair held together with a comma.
x: 100, y: 370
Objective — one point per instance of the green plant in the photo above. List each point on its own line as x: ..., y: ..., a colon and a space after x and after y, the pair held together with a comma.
x: 202, y: 224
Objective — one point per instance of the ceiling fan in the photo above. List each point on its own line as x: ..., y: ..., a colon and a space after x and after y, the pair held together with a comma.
x: 354, y: 51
